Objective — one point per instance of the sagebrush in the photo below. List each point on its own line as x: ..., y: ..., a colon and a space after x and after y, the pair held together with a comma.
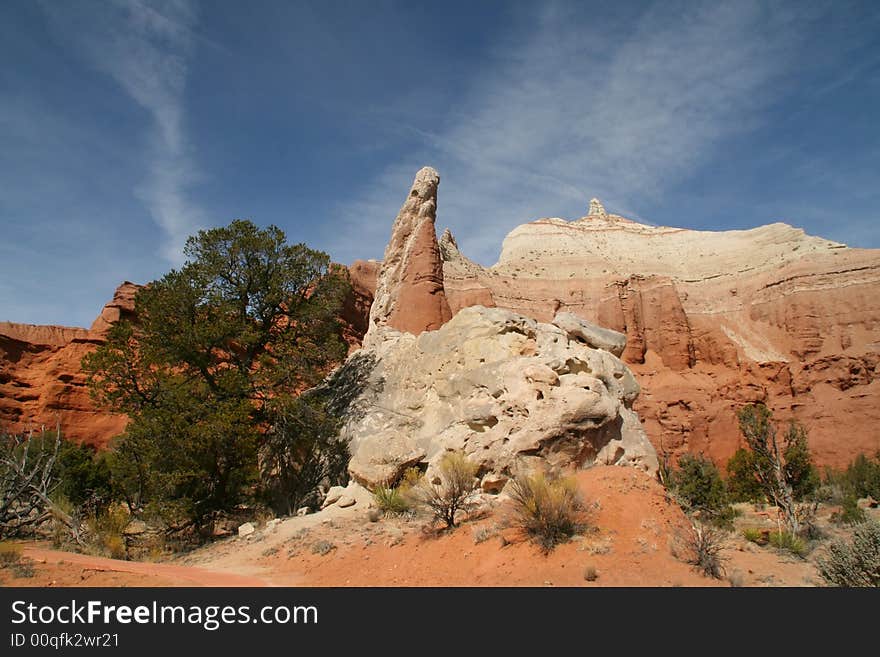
x: 854, y: 563
x: 548, y: 508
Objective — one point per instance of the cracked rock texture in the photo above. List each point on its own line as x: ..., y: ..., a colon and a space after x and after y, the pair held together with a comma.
x: 713, y: 320
x: 508, y: 390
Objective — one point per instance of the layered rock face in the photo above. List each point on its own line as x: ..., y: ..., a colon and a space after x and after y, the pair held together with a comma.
x: 42, y: 384
x: 713, y: 320
x: 409, y: 291
x: 511, y: 392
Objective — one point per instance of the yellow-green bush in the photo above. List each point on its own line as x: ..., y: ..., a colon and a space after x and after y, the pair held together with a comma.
x: 454, y: 493
x: 789, y: 542
x: 754, y: 535
x: 547, y: 508
x: 10, y: 553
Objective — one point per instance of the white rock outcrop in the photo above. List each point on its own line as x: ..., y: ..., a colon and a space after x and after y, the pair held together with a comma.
x: 509, y: 391
x: 591, y: 334
x: 597, y: 209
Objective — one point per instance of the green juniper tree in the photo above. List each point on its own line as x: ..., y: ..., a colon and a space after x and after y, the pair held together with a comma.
x: 220, y: 347
x: 784, y: 473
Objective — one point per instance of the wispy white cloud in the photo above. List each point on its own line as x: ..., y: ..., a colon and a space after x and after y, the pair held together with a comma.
x: 567, y: 108
x: 145, y: 46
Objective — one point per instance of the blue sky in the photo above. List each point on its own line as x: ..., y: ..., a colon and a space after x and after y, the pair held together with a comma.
x: 126, y: 126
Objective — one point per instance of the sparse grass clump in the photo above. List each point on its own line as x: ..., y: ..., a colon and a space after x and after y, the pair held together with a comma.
x: 754, y: 535
x: 547, y: 508
x: 11, y: 558
x: 482, y: 534
x: 390, y: 500
x: 854, y: 563
x: 10, y: 553
x: 323, y: 547
x: 783, y: 540
x: 105, y: 532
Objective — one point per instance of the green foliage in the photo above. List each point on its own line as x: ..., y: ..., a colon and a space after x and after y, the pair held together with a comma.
x: 301, y: 450
x: 754, y: 535
x: 220, y: 344
x: 785, y: 475
x: 861, y: 479
x: 698, y: 483
x: 105, y: 532
x: 742, y: 484
x: 547, y: 508
x: 698, y: 487
x: 784, y: 540
x: 863, y: 476
x: 81, y: 472
x: 453, y: 493
x: 850, y: 512
x: 854, y: 563
x: 799, y: 470
x: 390, y: 499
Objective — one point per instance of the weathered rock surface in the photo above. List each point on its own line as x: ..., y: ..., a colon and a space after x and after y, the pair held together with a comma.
x: 363, y: 275
x: 502, y: 387
x: 713, y: 320
x: 120, y: 307
x: 591, y: 334
x: 42, y: 383
x: 409, y: 290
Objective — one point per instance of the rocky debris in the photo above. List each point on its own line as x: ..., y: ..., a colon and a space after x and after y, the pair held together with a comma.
x: 345, y: 497
x: 135, y: 528
x: 591, y: 334
x: 867, y: 503
x: 246, y: 529
x: 493, y: 483
x: 509, y: 391
x: 333, y: 495
x: 409, y: 291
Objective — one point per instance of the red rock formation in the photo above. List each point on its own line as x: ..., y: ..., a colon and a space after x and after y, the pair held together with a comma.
x: 461, y: 277
x: 409, y: 291
x: 356, y: 310
x: 41, y: 381
x: 713, y: 321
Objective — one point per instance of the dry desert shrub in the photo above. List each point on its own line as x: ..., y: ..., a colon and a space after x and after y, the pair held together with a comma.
x: 701, y: 547
x: 455, y: 491
x: 591, y: 574
x: 548, y: 508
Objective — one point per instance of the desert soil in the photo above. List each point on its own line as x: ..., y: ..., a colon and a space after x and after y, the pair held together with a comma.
x: 632, y: 539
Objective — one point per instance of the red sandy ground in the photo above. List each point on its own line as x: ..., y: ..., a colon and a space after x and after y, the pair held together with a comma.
x: 632, y: 539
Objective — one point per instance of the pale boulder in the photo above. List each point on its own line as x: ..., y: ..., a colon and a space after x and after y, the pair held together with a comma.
x: 503, y: 388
